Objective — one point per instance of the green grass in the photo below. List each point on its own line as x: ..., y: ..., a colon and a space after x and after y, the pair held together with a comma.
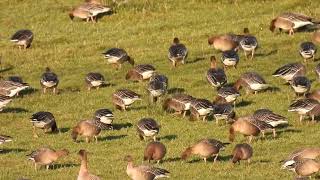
x: 73, y: 49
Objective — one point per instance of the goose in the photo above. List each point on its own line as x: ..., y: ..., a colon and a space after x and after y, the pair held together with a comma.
x: 5, y: 139
x: 177, y: 52
x: 230, y: 58
x: 316, y: 36
x: 156, y: 89
x: 94, y: 1
x: 223, y: 111
x: 49, y: 80
x: 10, y: 88
x: 123, y: 98
x: 242, y: 152
x: 301, y: 85
x: 289, y: 71
x: 46, y: 156
x: 180, y: 103
x: 80, y: 13
x: 223, y: 42
x: 105, y: 116
x: 23, y: 38
x: 270, y: 118
x: 308, y: 107
x: 317, y: 69
x: 160, y: 77
x: 144, y: 172
x: 290, y: 22
x: 205, y: 148
x: 89, y: 11
x: 94, y: 80
x: 201, y: 107
x: 300, y: 154
x: 84, y: 172
x: 304, y: 167
x: 154, y: 151
x: 117, y: 56
x: 307, y: 51
x: 227, y: 94
x: 147, y: 127
x: 87, y: 128
x: 43, y: 120
x: 248, y: 43
x: 251, y: 81
x: 140, y: 72
x: 216, y: 76
x: 314, y: 95
x: 4, y: 101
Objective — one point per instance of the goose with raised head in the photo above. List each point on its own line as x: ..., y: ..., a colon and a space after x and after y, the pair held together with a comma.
x: 216, y: 76
x: 178, y: 52
x: 84, y: 172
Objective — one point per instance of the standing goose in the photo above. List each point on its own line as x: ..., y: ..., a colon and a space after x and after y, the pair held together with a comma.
x: 227, y: 94
x: 46, y: 156
x: 248, y: 43
x: 147, y: 127
x: 289, y: 71
x: 23, y: 38
x: 10, y: 88
x: 49, y: 80
x: 304, y: 167
x: 4, y: 100
x: 154, y: 151
x: 223, y: 42
x: 251, y: 81
x: 290, y: 22
x: 177, y: 52
x: 301, y: 85
x: 94, y: 80
x: 270, y: 118
x: 140, y: 72
x: 242, y: 152
x: 307, y: 51
x: 201, y: 107
x: 180, y: 103
x: 300, y: 154
x: 205, y: 148
x: 44, y: 120
x: 316, y: 36
x: 309, y: 107
x: 80, y: 13
x: 144, y: 172
x: 123, y: 98
x: 83, y: 172
x: 230, y: 58
x: 223, y: 111
x: 216, y: 76
x: 117, y: 57
x: 156, y: 89
x: 87, y: 128
x: 105, y: 116
x: 161, y: 78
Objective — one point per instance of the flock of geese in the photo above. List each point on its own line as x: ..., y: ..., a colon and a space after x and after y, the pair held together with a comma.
x: 303, y: 161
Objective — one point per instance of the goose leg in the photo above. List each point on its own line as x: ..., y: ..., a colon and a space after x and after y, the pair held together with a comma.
x: 205, y: 160
x: 252, y: 54
x: 274, y: 132
x: 263, y: 136
x: 87, y: 140
x: 55, y: 90
x: 44, y: 90
x: 250, y: 138
x: 312, y: 118
x: 96, y: 138
x: 215, y: 158
x: 184, y: 113
x: 249, y: 161
x: 301, y: 118
x: 204, y: 119
x: 154, y: 138
x: 34, y: 132
x: 245, y: 54
x: 35, y: 166
x: 89, y: 88
x: 47, y: 167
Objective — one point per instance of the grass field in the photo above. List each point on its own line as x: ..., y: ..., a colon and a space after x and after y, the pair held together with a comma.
x: 145, y: 30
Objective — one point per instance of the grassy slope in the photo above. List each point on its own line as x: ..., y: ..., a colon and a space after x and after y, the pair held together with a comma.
x: 74, y: 49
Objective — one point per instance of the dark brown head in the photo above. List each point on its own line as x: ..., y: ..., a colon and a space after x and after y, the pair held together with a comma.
x: 131, y: 60
x: 82, y: 153
x: 176, y: 40
x: 213, y: 61
x: 246, y: 30
x: 186, y: 153
x: 47, y: 69
x: 71, y: 16
x: 128, y: 158
x: 54, y: 128
x: 74, y: 133
x: 272, y: 25
x: 211, y: 40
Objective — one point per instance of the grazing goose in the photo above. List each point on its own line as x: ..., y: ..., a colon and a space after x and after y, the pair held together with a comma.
x: 94, y: 80
x: 201, y: 107
x: 300, y: 154
x: 223, y: 42
x: 105, y: 116
x: 10, y: 88
x: 227, y: 94
x: 140, y: 72
x: 84, y: 172
x: 205, y: 148
x: 87, y: 128
x: 251, y: 81
x: 16, y: 79
x: 307, y: 51
x: 316, y: 36
x: 117, y: 57
x: 160, y: 77
x: 290, y: 22
x: 46, y: 156
x: 304, y: 167
x: 270, y: 118
x: 309, y: 107
x: 248, y: 43
x: 147, y: 127
x: 223, y: 111
x: 89, y: 11
x: 156, y: 89
x: 301, y: 85
x: 123, y: 98
x: 230, y: 58
x: 23, y: 38
x: 49, y: 80
x: 44, y: 120
x: 177, y: 52
x: 248, y: 126
x: 314, y: 95
x: 154, y: 151
x: 242, y: 152
x: 5, y: 139
x: 4, y: 100
x: 216, y: 76
x: 144, y: 172
x: 80, y: 13
x: 180, y: 103
x: 289, y: 71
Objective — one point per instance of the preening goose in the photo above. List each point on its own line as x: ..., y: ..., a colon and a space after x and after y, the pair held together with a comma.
x: 22, y: 38
x: 177, y: 52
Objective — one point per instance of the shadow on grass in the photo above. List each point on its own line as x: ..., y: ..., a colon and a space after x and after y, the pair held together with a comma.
x: 121, y: 126
x: 244, y: 103
x: 62, y: 166
x: 16, y: 150
x: 6, y: 69
x: 64, y: 130
x: 275, y: 51
x: 14, y: 110
x: 137, y: 108
x: 69, y: 89
x: 176, y: 90
x: 27, y: 91
x: 196, y: 60
x: 273, y: 89
x: 172, y: 159
x: 169, y: 137
x: 288, y: 131
x: 109, y: 138
x: 225, y: 158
